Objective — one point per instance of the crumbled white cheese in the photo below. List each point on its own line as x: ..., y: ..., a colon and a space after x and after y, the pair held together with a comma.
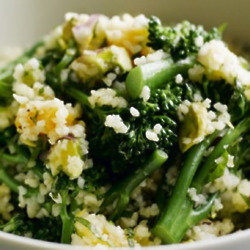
x: 80, y: 182
x: 220, y: 63
x: 196, y: 73
x: 152, y: 57
x: 199, y: 41
x: 220, y: 107
x: 106, y: 96
x: 109, y: 79
x: 198, y: 199
x: 145, y: 94
x: 217, y: 204
x: 134, y: 112
x: 197, y: 97
x: 115, y: 122
x: 179, y: 79
x: 157, y: 128
x: 151, y: 135
x: 57, y: 199
x: 230, y: 162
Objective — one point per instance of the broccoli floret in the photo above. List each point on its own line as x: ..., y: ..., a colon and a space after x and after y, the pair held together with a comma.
x: 130, y: 148
x: 180, y: 40
x: 67, y: 189
x: 56, y: 60
x: 42, y: 229
x: 233, y: 97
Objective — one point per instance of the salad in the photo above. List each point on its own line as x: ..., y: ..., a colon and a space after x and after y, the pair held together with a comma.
x: 123, y: 131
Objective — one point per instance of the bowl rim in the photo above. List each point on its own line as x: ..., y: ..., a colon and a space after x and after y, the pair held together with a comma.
x: 212, y: 242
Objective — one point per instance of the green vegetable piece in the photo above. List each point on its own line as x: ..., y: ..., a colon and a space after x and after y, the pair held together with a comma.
x: 5, y: 90
x: 14, y: 185
x: 79, y: 96
x: 179, y: 215
x: 8, y: 181
x: 67, y: 220
x: 193, y: 126
x: 154, y: 75
x: 180, y: 40
x: 220, y: 168
x: 176, y: 217
x: 246, y: 199
x: 95, y: 64
x: 121, y: 191
x: 228, y: 139
x: 183, y: 219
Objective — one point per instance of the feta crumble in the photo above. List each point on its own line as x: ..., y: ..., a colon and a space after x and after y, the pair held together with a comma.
x: 134, y: 112
x: 157, y: 128
x: 145, y: 94
x: 106, y: 96
x: 198, y: 199
x: 151, y: 135
x: 220, y: 63
x: 199, y: 41
x: 115, y: 122
x: 178, y: 79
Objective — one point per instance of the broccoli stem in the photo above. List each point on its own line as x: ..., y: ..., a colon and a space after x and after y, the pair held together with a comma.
x: 186, y: 218
x: 179, y: 214
x: 5, y: 90
x: 14, y: 185
x: 18, y: 158
x: 12, y: 224
x: 7, y: 72
x: 8, y: 181
x: 179, y: 207
x: 68, y: 57
x: 187, y: 173
x: 67, y: 220
x: 232, y: 135
x: 122, y: 190
x: 78, y: 96
x: 154, y: 75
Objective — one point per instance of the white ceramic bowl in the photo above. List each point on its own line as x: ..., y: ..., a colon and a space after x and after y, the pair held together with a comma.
x: 23, y: 21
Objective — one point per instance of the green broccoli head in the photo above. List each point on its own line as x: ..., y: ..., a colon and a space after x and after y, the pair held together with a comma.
x: 233, y: 96
x: 180, y: 40
x: 131, y: 148
x: 42, y: 229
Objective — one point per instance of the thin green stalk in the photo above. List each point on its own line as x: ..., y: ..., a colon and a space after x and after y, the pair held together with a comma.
x: 121, y: 192
x: 14, y: 185
x: 154, y: 75
x: 5, y: 89
x: 228, y: 139
x: 67, y: 220
x: 68, y: 57
x: 191, y: 163
x: 179, y: 214
x: 78, y: 96
x: 18, y: 158
x: 8, y: 181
